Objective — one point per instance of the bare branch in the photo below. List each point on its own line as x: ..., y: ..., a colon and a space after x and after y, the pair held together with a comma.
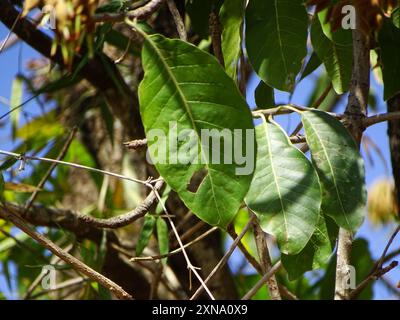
x: 173, y: 252
x: 356, y: 111
x: 42, y: 182
x: 225, y: 258
x: 377, y: 271
x: 140, y: 13
x: 262, y: 281
x: 216, y: 31
x: 180, y: 25
x: 69, y: 259
x: 390, y: 116
x: 77, y: 222
x: 23, y: 157
x: 265, y: 258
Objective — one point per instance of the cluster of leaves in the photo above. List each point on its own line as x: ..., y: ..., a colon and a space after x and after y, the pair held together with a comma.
x: 301, y: 202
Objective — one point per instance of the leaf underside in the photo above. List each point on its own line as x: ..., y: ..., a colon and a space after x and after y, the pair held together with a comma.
x: 285, y: 192
x: 276, y: 40
x: 339, y: 166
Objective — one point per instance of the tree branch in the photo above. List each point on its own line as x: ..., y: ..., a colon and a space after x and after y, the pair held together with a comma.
x: 265, y: 259
x: 69, y: 259
x: 140, y: 13
x: 76, y: 222
x: 355, y: 113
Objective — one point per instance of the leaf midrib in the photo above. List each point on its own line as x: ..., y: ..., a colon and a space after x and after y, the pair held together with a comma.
x: 279, y: 36
x: 265, y: 124
x: 331, y: 170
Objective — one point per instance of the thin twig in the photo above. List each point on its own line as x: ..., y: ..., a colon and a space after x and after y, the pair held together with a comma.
x: 10, y: 33
x: 377, y: 270
x: 256, y: 265
x: 216, y: 32
x: 63, y: 285
x: 390, y: 116
x: 136, y: 144
x: 173, y: 252
x: 315, y: 105
x: 127, y: 218
x: 262, y: 281
x: 225, y: 258
x: 180, y: 25
x: 265, y: 259
x: 60, y: 156
x: 189, y: 264
x: 23, y: 157
x: 42, y: 275
x: 68, y: 258
x: 374, y: 276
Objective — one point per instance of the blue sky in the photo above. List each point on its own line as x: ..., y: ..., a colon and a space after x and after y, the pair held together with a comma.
x: 14, y: 61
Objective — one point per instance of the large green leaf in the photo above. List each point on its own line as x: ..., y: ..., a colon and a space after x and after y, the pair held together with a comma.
x: 389, y: 41
x: 276, y: 40
x: 285, y: 192
x: 187, y: 87
x: 316, y: 253
x: 231, y: 17
x: 340, y: 168
x: 336, y: 54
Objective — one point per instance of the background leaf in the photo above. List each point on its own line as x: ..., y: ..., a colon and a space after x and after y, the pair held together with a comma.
x: 187, y: 87
x: 231, y: 18
x: 285, y: 192
x: 276, y: 40
x: 389, y: 41
x: 316, y: 253
x: 162, y: 237
x: 335, y: 53
x: 145, y: 233
x: 340, y: 168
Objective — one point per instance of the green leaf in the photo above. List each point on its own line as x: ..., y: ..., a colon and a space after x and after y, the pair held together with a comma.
x: 340, y: 168
x: 185, y: 92
x: 285, y: 192
x: 312, y: 64
x: 335, y: 53
x: 389, y: 41
x: 8, y: 163
x: 316, y: 253
x: 15, y: 102
x: 145, y: 234
x: 264, y: 96
x: 231, y: 18
x: 395, y: 16
x: 318, y: 87
x: 276, y: 40
x: 162, y: 237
